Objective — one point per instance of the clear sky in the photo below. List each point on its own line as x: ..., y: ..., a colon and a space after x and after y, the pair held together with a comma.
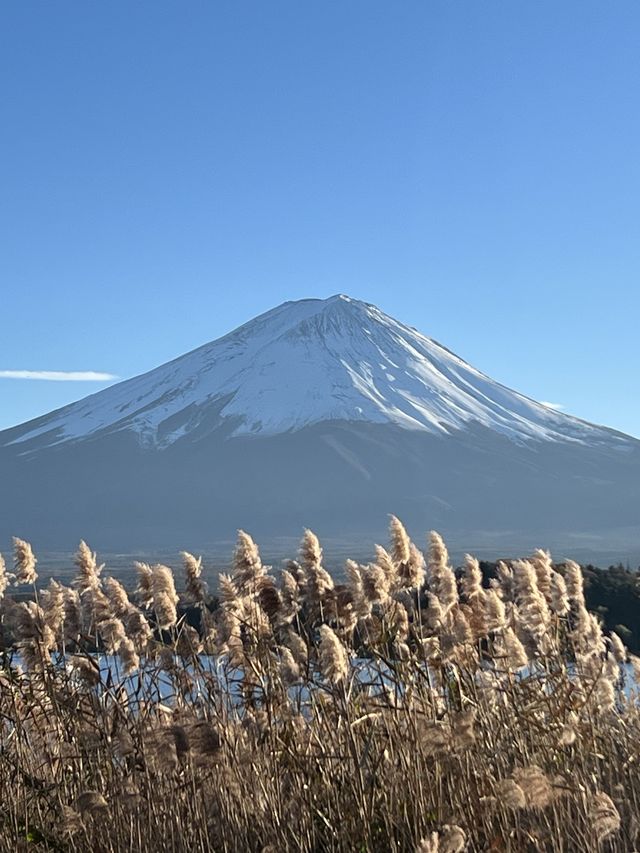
x: 169, y: 170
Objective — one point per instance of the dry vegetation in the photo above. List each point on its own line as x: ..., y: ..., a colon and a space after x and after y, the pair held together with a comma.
x: 406, y: 709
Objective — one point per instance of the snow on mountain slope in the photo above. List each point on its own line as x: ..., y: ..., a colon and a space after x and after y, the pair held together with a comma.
x: 306, y: 362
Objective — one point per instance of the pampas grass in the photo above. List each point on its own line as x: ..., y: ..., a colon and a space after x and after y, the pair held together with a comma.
x: 412, y: 707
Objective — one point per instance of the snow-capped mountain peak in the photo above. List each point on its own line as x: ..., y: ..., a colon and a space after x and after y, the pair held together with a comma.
x: 305, y: 362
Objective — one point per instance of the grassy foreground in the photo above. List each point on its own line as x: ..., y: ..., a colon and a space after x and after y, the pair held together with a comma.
x: 407, y: 709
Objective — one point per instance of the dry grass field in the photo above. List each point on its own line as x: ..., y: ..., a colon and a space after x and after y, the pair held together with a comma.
x: 408, y: 709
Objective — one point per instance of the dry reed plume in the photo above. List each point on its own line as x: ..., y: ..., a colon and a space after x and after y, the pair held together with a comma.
x: 409, y: 707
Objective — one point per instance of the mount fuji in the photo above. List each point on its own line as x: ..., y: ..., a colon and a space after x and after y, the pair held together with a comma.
x: 322, y: 413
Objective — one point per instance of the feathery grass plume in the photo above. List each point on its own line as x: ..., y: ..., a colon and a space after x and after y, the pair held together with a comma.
x: 296, y: 571
x: 435, y: 613
x: 143, y: 591
x: 71, y: 821
x: 400, y: 542
x: 509, y: 794
x: 128, y: 656
x: 24, y: 562
x: 476, y: 598
x: 52, y: 601
x: 111, y: 631
x: 188, y: 642
x: 375, y: 583
x: 290, y: 597
x: 165, y: 598
x: 160, y: 752
x: 247, y: 566
x: 269, y: 599
x: 511, y: 649
x: 91, y: 803
x: 604, y: 816
x: 559, y: 598
x: 603, y: 695
x: 385, y: 562
x: 332, y: 656
x: 534, y: 615
x: 289, y: 669
x: 341, y: 603
x: 463, y: 728
x: 535, y: 785
x: 495, y: 612
x: 472, y: 579
x: 431, y: 648
x: 525, y: 580
x: 29, y: 623
x: 318, y: 582
x: 205, y: 741
x: 618, y: 649
x: 298, y: 647
x: 504, y: 583
x: 440, y: 576
x: 435, y: 737
x: 4, y: 580
x: 567, y: 736
x: 412, y: 573
x: 135, y: 624
x: 361, y: 603
x: 452, y: 839
x: 88, y: 575
x: 84, y: 669
x: 228, y: 592
x: 396, y: 618
x: 574, y: 582
x: 72, y: 614
x: 543, y: 567
x: 195, y: 587
x: 428, y: 845
x: 117, y: 595
x: 460, y: 626
x: 588, y: 642
x: 230, y: 621
x: 634, y: 660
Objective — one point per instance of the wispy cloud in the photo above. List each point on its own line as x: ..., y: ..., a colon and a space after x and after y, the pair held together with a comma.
x: 59, y: 375
x: 558, y: 407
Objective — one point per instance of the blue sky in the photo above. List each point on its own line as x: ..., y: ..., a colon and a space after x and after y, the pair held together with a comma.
x: 169, y: 170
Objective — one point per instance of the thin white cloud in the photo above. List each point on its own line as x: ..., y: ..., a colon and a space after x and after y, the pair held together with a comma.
x: 557, y: 407
x: 59, y: 375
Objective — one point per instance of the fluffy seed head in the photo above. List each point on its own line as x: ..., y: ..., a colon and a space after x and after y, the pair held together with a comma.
x: 535, y: 785
x: 617, y: 648
x: 318, y: 581
x: 247, y: 565
x: 332, y: 657
x: 143, y: 592
x: 24, y: 562
x: 509, y: 794
x: 88, y: 569
x: 605, y: 817
x: 195, y: 587
x: 440, y: 576
x: 91, y: 802
x: 472, y: 578
x: 452, y: 839
x: 165, y: 598
x: 559, y: 598
x: 4, y: 580
x: 543, y: 567
x: 400, y: 541
x: 574, y: 583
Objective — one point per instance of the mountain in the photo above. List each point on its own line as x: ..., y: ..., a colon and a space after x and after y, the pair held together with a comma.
x: 323, y: 413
